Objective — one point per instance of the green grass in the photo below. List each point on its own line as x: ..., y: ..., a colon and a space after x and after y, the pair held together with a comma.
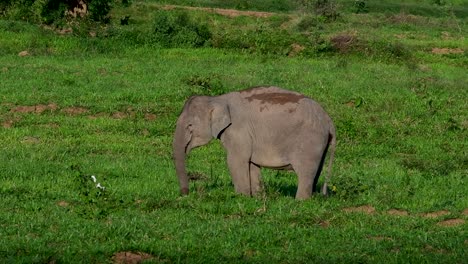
x: 81, y: 106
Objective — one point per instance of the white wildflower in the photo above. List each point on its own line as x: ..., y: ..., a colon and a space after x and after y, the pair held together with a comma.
x: 98, y: 185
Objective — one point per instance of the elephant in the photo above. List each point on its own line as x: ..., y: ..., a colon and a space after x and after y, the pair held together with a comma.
x: 262, y: 126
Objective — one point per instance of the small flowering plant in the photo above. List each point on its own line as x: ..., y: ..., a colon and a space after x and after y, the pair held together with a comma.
x: 93, y: 196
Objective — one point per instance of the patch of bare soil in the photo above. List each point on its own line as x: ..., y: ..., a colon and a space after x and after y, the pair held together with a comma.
x: 23, y: 53
x: 436, y: 214
x: 220, y: 11
x: 62, y: 203
x: 130, y: 257
x: 380, y: 238
x: 429, y: 248
x: 37, y: 109
x: 451, y: 222
x: 145, y: 132
x: 465, y: 212
x: 366, y: 209
x: 295, y: 49
x: 150, y: 117
x: 324, y: 224
x: 31, y: 140
x: 119, y: 115
x: 8, y: 124
x: 447, y: 51
x: 98, y: 115
x: 397, y: 212
x: 343, y: 42
x: 50, y: 125
x: 75, y: 110
x: 403, y: 18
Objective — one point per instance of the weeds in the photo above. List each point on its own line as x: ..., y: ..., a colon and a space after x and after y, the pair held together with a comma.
x: 179, y: 30
x: 205, y: 85
x: 95, y: 200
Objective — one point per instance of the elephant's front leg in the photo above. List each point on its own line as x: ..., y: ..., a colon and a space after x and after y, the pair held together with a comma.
x: 238, y: 150
x: 239, y: 168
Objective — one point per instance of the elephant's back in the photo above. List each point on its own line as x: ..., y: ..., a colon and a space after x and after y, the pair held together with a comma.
x: 270, y: 97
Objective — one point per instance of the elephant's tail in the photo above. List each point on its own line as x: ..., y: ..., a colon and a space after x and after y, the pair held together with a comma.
x: 331, y: 147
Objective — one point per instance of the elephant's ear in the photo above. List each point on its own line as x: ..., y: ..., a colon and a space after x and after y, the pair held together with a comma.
x: 220, y: 119
x: 188, y: 134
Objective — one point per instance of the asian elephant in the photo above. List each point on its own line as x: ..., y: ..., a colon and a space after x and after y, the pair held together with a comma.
x: 259, y: 127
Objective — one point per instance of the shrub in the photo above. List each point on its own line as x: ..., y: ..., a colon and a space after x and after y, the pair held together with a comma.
x: 179, y: 30
x: 210, y: 85
x: 52, y: 11
x: 348, y: 188
x: 360, y: 6
x: 328, y: 9
x: 99, y: 10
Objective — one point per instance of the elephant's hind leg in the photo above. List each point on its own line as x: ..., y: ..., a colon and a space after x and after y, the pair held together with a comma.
x: 307, y: 168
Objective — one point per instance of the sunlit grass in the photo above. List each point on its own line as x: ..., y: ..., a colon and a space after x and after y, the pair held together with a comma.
x: 70, y: 110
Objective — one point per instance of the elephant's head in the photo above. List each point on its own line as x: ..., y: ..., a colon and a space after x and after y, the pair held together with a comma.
x: 202, y: 119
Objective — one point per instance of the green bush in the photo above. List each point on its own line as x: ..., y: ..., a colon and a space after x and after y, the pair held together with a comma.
x: 204, y: 85
x: 52, y: 11
x: 360, y: 6
x: 328, y: 9
x: 177, y: 29
x: 99, y: 10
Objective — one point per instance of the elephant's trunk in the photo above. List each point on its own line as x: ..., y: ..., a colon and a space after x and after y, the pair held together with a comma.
x: 179, y: 152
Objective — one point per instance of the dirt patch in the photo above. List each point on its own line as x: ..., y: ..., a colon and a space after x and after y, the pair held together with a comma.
x: 451, y: 222
x: 220, y: 11
x: 145, y: 132
x: 24, y: 53
x: 37, y: 109
x: 63, y: 204
x: 75, y: 110
x: 31, y: 140
x: 295, y: 49
x: 324, y: 224
x: 8, y: 124
x: 436, y: 214
x: 380, y: 238
x: 98, y: 115
x: 403, y: 18
x: 343, y: 42
x: 465, y: 212
x: 130, y: 257
x: 429, y: 248
x: 444, y: 51
x: 397, y: 212
x: 50, y: 125
x: 150, y: 117
x: 366, y: 209
x: 119, y: 115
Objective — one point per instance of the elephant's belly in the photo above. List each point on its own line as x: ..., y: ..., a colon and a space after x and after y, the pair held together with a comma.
x: 270, y: 161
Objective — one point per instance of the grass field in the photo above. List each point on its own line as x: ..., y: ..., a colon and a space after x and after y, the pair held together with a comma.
x: 77, y: 105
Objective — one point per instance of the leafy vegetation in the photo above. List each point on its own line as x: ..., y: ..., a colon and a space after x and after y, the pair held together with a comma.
x: 88, y: 109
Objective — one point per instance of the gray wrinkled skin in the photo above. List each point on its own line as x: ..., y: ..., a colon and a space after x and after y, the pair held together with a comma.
x: 259, y: 127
